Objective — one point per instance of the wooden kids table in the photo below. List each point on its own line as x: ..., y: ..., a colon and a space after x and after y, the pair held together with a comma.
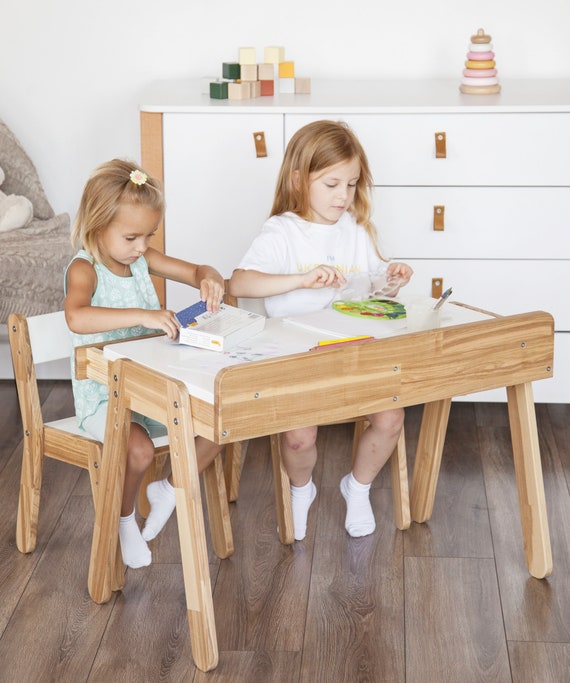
x: 226, y: 399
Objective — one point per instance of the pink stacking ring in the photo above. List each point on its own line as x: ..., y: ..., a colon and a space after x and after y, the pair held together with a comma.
x: 480, y: 55
x: 479, y: 73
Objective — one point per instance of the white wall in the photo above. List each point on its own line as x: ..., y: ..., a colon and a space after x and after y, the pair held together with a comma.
x: 71, y: 71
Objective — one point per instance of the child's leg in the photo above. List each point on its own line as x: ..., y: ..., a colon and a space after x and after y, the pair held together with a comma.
x: 139, y: 456
x: 375, y: 447
x: 161, y: 493
x: 299, y: 454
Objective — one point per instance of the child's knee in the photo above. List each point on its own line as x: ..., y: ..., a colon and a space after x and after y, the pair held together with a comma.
x: 141, y: 448
x: 388, y: 421
x: 301, y: 439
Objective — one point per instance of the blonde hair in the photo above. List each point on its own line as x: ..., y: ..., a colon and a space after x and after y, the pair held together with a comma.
x: 109, y: 186
x: 314, y: 148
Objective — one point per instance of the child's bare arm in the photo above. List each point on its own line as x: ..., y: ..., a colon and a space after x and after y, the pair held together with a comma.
x: 83, y: 318
x: 205, y: 278
x: 254, y: 283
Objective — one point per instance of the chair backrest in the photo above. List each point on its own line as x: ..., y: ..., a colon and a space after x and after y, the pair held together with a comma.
x: 49, y: 337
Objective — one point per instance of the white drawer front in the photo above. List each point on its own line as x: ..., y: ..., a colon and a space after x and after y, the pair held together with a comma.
x: 481, y: 149
x: 503, y: 287
x: 218, y: 192
x: 490, y: 222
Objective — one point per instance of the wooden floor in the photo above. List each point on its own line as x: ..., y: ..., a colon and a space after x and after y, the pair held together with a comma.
x: 449, y: 600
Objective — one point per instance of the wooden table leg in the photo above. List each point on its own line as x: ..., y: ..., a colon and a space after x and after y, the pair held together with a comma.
x: 282, y: 488
x: 102, y: 578
x: 191, y: 529
x: 530, y: 484
x: 399, y: 476
x: 428, y: 458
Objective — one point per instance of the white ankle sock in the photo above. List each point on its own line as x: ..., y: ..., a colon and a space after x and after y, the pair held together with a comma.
x: 134, y: 549
x: 359, y: 516
x: 302, y: 498
x: 162, y: 501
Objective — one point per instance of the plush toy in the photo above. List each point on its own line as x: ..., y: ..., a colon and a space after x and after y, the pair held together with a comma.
x: 15, y: 211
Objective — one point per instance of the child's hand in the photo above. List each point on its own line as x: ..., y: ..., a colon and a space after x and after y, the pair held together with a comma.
x: 161, y: 320
x: 212, y: 292
x: 323, y: 276
x: 397, y: 275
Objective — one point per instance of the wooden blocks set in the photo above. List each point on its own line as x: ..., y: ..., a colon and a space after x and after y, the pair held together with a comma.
x: 248, y: 78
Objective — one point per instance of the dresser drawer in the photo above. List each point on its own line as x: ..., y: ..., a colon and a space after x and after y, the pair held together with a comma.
x: 490, y: 222
x: 503, y: 287
x: 481, y: 149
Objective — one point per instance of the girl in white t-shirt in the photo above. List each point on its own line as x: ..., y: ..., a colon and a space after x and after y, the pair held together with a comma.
x: 319, y: 232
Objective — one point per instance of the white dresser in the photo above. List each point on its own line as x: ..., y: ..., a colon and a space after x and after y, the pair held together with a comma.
x: 472, y: 191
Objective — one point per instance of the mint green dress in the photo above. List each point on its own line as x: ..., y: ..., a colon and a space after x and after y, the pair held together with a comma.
x: 112, y: 291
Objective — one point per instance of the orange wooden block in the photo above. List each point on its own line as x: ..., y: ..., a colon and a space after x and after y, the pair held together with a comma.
x: 267, y: 88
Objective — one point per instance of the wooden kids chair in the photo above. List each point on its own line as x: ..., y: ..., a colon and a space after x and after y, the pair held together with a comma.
x: 36, y: 340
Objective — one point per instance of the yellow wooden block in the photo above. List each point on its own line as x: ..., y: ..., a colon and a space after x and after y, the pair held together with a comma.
x: 287, y: 70
x: 248, y: 72
x: 273, y: 54
x: 266, y: 72
x: 247, y: 55
x: 302, y: 86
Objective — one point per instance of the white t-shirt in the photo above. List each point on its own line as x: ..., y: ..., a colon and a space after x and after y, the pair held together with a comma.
x: 288, y: 244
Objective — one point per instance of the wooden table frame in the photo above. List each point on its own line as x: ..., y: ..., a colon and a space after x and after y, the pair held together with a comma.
x: 270, y: 396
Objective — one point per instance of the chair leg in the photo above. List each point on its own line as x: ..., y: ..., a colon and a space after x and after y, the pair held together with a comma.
x: 428, y: 458
x: 233, y: 455
x: 154, y: 473
x: 282, y: 488
x: 30, y: 488
x: 218, y: 511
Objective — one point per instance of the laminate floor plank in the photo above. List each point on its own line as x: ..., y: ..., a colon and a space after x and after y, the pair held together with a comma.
x: 258, y: 666
x: 355, y: 613
x: 147, y: 637
x: 534, y: 609
x: 459, y: 526
x: 540, y: 662
x: 261, y: 591
x: 454, y: 627
x: 55, y: 630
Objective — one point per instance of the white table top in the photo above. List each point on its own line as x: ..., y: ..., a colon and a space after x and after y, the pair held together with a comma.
x: 198, y: 368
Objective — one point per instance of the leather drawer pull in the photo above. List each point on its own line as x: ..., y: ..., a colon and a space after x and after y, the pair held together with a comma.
x: 438, y: 216
x: 440, y: 151
x: 260, y: 148
x: 436, y: 287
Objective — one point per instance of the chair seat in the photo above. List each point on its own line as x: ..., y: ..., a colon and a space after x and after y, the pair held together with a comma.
x: 69, y: 424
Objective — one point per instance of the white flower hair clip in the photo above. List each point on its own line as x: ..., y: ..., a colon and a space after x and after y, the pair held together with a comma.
x: 138, y: 177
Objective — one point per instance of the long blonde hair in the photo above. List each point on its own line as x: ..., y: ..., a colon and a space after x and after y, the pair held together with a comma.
x: 313, y: 148
x: 109, y: 186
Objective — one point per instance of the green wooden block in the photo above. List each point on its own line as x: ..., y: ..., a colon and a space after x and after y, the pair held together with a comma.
x: 231, y: 70
x: 219, y: 90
